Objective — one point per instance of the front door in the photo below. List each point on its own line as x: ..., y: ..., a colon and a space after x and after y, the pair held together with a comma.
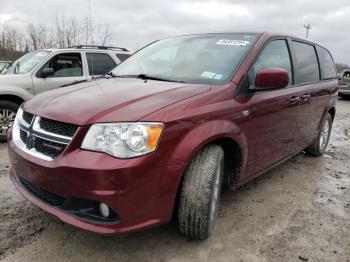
x: 68, y: 69
x: 274, y: 114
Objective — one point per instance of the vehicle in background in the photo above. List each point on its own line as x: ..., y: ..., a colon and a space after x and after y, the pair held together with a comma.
x: 169, y: 127
x: 4, y: 65
x: 47, y: 69
x: 344, y: 83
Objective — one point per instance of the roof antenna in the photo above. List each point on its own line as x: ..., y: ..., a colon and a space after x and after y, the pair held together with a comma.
x: 308, y: 28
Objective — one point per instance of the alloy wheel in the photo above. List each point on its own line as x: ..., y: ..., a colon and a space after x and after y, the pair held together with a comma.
x: 7, y: 117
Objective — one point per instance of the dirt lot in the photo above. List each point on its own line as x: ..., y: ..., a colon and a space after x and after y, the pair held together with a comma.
x: 300, y: 211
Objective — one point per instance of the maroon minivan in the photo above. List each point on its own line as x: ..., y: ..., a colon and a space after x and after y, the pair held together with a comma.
x: 168, y: 128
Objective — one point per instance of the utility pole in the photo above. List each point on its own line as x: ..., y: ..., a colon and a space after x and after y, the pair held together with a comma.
x: 90, y: 24
x: 308, y: 28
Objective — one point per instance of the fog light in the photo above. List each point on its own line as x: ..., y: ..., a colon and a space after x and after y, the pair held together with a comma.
x: 104, y: 210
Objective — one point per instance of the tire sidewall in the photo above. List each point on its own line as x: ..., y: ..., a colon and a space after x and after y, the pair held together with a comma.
x: 329, y: 119
x: 219, y: 164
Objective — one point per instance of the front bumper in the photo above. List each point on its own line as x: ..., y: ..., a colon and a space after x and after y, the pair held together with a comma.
x: 141, y: 191
x: 344, y: 90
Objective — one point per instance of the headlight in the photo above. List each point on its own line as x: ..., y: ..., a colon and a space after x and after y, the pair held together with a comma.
x: 124, y: 140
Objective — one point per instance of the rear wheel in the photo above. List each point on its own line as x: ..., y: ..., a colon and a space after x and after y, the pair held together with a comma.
x: 200, y: 193
x: 319, y: 145
x: 8, y: 112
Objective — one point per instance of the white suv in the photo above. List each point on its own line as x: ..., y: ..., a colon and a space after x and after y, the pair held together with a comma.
x: 47, y: 69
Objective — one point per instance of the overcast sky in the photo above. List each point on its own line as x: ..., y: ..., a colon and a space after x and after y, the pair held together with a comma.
x: 137, y: 22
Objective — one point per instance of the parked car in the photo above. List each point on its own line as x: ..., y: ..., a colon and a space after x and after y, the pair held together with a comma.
x: 344, y: 83
x: 43, y: 70
x: 4, y: 65
x: 170, y: 127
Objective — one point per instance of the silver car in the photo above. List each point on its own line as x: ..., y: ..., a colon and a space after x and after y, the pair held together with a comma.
x: 44, y: 70
x: 344, y: 83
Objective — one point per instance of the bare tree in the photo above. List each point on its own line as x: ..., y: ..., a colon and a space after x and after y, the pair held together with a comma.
x: 72, y: 33
x: 60, y: 31
x: 14, y: 41
x: 105, y: 35
x: 40, y: 36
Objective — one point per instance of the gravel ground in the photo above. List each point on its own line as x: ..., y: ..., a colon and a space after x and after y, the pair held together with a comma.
x: 300, y: 211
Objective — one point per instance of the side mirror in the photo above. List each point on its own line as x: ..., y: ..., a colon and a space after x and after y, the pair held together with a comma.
x: 47, y: 72
x: 271, y: 78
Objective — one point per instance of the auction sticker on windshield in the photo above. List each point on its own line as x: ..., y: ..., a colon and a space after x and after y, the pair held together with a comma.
x: 211, y: 75
x: 232, y: 42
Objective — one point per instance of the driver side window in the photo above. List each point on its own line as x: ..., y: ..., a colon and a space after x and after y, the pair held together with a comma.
x: 65, y: 65
x: 275, y: 54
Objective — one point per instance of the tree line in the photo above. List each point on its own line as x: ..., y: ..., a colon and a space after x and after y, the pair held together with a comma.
x: 63, y: 33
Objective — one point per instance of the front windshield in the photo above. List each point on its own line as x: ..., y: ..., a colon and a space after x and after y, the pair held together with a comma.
x: 27, y: 62
x: 206, y: 59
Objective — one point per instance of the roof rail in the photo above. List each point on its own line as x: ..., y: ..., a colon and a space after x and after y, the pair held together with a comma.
x: 100, y: 47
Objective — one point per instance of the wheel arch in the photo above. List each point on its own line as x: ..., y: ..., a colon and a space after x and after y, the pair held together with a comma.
x: 215, y: 131
x: 226, y: 134
x: 12, y: 98
x: 331, y: 111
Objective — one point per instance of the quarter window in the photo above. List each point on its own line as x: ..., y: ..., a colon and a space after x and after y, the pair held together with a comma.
x: 99, y: 64
x: 328, y: 70
x: 275, y: 54
x: 306, y: 63
x: 123, y: 57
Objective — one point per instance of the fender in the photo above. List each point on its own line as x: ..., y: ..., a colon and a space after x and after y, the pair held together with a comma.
x: 186, y: 149
x: 15, y: 91
x: 203, y: 134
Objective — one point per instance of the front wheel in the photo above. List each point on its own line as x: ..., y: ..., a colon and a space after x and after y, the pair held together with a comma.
x: 200, y: 193
x: 319, y: 145
x: 8, y: 112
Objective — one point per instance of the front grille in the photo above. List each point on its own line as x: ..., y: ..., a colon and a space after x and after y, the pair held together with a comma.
x: 24, y: 136
x: 48, y: 148
x: 27, y: 117
x: 44, y: 138
x: 58, y: 127
x: 43, y: 195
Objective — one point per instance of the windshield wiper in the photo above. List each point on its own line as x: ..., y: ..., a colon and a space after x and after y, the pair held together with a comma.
x: 146, y: 77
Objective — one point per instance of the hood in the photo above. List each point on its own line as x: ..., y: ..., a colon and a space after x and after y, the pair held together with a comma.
x: 12, y: 79
x: 110, y: 100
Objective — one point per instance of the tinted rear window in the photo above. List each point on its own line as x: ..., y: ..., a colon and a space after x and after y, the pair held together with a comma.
x: 328, y: 70
x: 306, y: 64
x: 99, y: 64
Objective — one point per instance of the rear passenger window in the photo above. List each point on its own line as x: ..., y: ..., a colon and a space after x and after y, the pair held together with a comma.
x: 306, y: 64
x: 99, y: 64
x: 275, y: 54
x: 328, y: 70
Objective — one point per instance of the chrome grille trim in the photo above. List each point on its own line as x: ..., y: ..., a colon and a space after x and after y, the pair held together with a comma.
x: 34, y: 130
x: 38, y: 130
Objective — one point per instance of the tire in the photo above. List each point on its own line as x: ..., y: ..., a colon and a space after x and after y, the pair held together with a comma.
x: 319, y: 145
x: 200, y: 193
x: 8, y: 112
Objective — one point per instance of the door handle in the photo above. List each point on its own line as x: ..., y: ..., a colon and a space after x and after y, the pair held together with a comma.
x: 294, y: 100
x: 306, y: 96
